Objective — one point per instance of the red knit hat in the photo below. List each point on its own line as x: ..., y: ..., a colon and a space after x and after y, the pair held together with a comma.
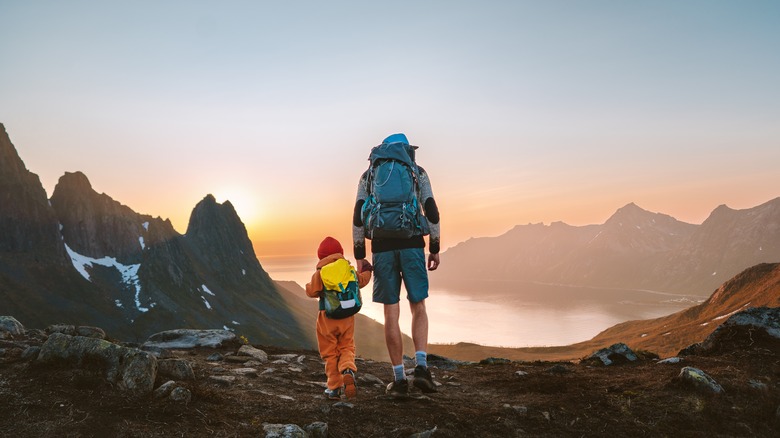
x: 329, y: 246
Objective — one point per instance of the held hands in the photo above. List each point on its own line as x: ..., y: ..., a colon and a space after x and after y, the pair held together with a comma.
x: 433, y: 261
x: 364, y: 265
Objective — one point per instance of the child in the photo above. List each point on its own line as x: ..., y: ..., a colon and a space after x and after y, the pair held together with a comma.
x: 335, y: 337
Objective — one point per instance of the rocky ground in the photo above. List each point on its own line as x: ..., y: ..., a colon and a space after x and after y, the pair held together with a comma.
x: 233, y: 390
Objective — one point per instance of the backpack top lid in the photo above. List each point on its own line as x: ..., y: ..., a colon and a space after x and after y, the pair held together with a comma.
x: 339, y: 272
x: 398, y: 138
x: 395, y: 147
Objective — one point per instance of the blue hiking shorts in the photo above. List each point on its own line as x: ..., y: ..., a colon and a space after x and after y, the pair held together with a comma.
x: 390, y: 267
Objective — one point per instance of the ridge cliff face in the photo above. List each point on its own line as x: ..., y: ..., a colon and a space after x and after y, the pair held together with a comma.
x: 28, y: 226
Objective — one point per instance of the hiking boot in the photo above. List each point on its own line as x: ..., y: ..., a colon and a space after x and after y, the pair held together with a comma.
x: 350, y: 383
x: 423, y: 380
x: 399, y: 387
x: 333, y: 394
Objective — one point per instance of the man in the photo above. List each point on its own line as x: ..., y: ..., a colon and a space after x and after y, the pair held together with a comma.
x: 398, y: 259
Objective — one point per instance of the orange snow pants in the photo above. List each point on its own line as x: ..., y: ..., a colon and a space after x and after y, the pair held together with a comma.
x: 336, y: 341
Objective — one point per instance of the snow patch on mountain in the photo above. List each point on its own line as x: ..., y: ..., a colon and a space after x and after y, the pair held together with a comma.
x: 129, y: 272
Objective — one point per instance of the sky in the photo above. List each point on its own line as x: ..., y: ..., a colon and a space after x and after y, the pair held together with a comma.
x: 524, y: 111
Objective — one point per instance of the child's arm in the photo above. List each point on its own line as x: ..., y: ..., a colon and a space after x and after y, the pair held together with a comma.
x: 314, y: 287
x: 364, y: 276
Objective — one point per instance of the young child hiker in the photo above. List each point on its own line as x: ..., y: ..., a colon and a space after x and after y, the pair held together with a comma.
x: 335, y: 333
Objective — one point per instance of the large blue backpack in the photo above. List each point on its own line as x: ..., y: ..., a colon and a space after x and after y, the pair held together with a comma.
x: 392, y: 209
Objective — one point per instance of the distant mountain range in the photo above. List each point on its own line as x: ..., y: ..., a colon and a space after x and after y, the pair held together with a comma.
x: 633, y: 249
x: 83, y: 258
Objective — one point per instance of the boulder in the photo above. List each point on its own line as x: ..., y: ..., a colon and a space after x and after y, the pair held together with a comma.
x: 318, y: 429
x: 90, y: 332
x: 165, y: 389
x: 10, y: 325
x: 177, y: 369
x: 131, y: 369
x: 284, y: 431
x: 699, y: 380
x: 752, y: 327
x: 65, y: 329
x: 181, y: 395
x: 189, y: 338
x: 615, y: 354
x: 254, y: 353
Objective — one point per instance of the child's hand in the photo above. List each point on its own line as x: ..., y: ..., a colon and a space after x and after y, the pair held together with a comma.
x: 364, y: 265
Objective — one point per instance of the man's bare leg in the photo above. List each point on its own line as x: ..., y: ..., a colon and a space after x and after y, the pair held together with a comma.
x: 393, y: 338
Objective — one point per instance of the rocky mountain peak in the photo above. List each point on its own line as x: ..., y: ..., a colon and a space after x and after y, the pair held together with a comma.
x: 10, y: 163
x: 27, y: 221
x: 218, y: 232
x: 94, y: 224
x: 74, y: 181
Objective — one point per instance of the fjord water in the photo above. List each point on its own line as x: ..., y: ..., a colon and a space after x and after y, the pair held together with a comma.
x: 510, y: 314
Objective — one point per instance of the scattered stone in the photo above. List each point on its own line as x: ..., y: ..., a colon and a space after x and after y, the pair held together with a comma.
x: 215, y: 357
x: 159, y: 353
x: 132, y: 369
x: 177, y: 369
x: 31, y: 353
x: 268, y: 371
x: 317, y: 430
x: 519, y: 410
x: 223, y: 380
x: 494, y: 361
x: 615, y: 354
x: 255, y: 353
x: 370, y: 379
x: 294, y: 369
x: 190, y: 338
x: 455, y: 384
x: 758, y: 386
x: 283, y: 431
x: 424, y: 434
x: 9, y: 324
x: 90, y: 332
x: 247, y: 372
x: 280, y: 362
x: 343, y: 405
x: 181, y: 395
x: 64, y: 329
x: 521, y: 373
x: 321, y: 384
x: 546, y: 415
x: 699, y: 380
x: 237, y: 359
x: 284, y: 357
x: 286, y: 397
x: 671, y: 360
x: 558, y: 369
x: 444, y: 363
x: 165, y: 389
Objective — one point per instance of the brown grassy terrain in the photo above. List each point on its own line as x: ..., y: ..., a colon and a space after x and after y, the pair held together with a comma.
x: 474, y: 400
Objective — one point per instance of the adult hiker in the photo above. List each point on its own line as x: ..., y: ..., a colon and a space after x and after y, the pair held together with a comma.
x: 395, y: 208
